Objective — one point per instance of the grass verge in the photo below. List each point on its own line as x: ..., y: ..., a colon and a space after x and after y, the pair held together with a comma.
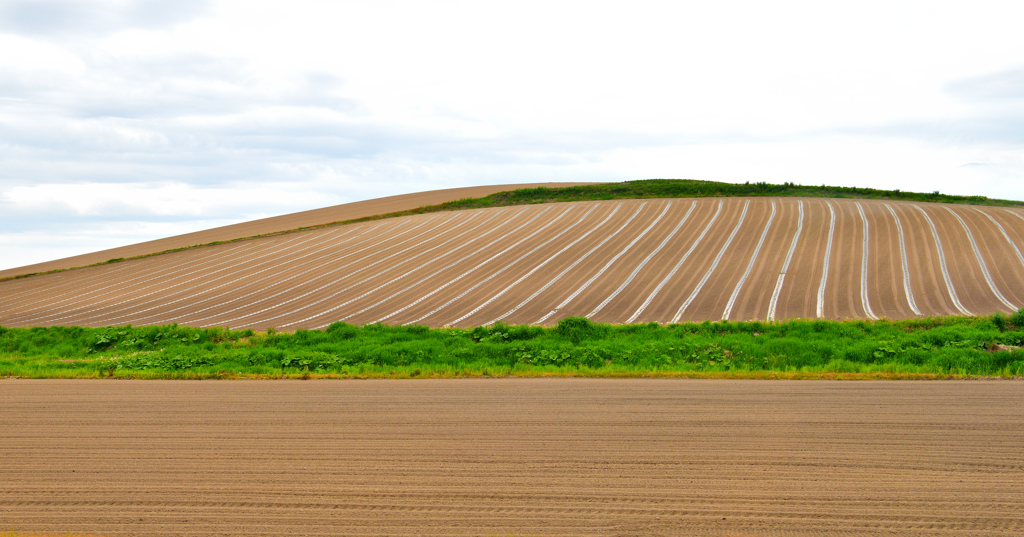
x: 642, y: 189
x: 931, y: 348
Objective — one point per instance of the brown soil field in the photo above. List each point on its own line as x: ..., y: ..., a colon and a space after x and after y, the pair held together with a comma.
x: 275, y: 224
x: 504, y: 457
x: 614, y: 261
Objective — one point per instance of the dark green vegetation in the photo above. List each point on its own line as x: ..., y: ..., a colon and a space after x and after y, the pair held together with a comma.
x: 647, y: 188
x: 690, y: 188
x: 937, y: 347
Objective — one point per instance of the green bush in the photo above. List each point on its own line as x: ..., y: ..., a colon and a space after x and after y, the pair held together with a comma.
x: 1000, y: 321
x: 342, y: 331
x: 579, y: 329
x: 1017, y: 319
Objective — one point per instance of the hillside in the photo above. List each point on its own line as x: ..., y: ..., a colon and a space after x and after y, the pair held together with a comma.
x: 618, y: 261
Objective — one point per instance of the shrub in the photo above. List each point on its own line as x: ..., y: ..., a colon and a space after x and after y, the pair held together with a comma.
x: 999, y: 320
x: 1017, y: 318
x: 579, y: 329
x: 342, y: 331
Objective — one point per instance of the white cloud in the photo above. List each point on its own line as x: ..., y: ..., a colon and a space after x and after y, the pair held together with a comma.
x: 93, y: 17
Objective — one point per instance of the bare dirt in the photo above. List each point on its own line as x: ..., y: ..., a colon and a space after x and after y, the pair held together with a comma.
x: 615, y: 261
x: 512, y: 457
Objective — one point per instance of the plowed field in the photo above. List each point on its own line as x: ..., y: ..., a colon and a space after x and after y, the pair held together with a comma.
x: 512, y: 457
x: 613, y: 261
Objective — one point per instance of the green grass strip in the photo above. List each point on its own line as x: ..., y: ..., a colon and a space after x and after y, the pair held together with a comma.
x: 642, y: 189
x: 938, y: 347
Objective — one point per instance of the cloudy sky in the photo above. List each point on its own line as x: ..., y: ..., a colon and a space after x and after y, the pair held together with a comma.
x: 123, y: 121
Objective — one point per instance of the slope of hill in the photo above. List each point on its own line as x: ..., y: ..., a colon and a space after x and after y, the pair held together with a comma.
x: 620, y: 261
x: 276, y: 224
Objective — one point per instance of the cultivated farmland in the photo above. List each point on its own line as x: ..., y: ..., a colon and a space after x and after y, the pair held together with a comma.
x: 617, y: 261
x: 522, y: 457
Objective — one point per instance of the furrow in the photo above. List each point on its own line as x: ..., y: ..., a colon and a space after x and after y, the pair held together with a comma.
x: 536, y: 267
x: 149, y: 276
x: 202, y: 274
x: 436, y: 273
x: 466, y: 273
x: 247, y: 272
x: 981, y: 261
x: 492, y: 276
x: 613, y: 260
x: 513, y: 263
x: 825, y: 262
x: 601, y: 271
x: 753, y: 258
x: 942, y: 263
x: 376, y: 250
x: 714, y: 265
x: 442, y: 270
x: 675, y: 269
x: 84, y: 277
x: 311, y: 293
x: 455, y: 263
x: 1006, y: 236
x: 864, y: 266
x: 197, y: 298
x: 396, y: 279
x: 570, y: 267
x: 195, y: 308
x: 643, y: 263
x: 774, y: 302
x: 903, y: 261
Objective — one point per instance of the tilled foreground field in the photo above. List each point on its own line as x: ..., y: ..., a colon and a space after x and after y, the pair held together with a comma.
x: 519, y: 457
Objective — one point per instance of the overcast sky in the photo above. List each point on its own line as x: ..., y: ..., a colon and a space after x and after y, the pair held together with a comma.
x: 123, y: 121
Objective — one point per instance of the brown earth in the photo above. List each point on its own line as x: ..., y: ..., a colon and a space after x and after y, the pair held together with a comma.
x: 616, y: 261
x: 512, y: 457
x: 275, y: 224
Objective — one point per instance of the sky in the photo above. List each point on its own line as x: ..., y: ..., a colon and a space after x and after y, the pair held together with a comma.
x: 123, y: 121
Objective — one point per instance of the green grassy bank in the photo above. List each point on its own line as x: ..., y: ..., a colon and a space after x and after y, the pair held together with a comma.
x: 933, y: 347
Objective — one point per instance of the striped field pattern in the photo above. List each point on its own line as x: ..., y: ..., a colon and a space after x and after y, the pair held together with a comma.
x: 613, y: 261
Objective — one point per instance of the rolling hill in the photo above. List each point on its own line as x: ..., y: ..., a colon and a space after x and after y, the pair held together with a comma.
x: 617, y: 261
